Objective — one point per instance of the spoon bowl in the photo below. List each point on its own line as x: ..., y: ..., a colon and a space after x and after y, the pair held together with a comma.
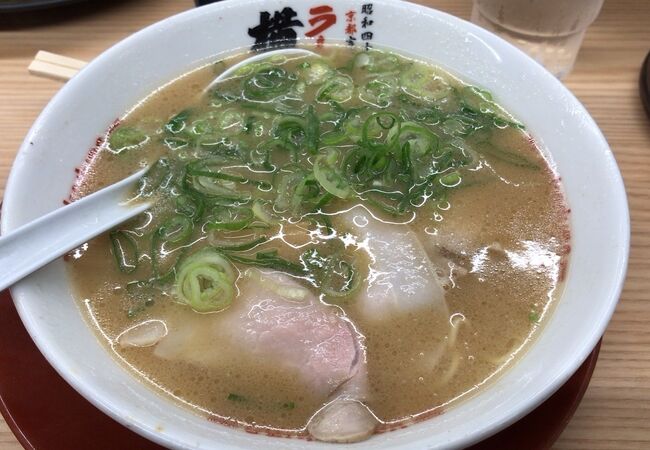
x: 230, y: 71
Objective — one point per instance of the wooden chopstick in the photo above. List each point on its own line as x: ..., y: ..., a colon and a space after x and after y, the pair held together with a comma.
x: 58, y: 67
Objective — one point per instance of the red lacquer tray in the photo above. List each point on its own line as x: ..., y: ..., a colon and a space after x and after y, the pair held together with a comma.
x: 46, y: 414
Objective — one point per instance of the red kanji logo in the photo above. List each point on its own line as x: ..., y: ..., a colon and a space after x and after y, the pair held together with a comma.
x: 351, y: 28
x: 324, y: 17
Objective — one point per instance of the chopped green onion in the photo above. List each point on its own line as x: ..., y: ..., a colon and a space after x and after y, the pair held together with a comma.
x: 214, y: 187
x: 125, y: 251
x: 311, y: 131
x: 291, y: 131
x: 232, y: 219
x: 379, y: 91
x: 450, y: 180
x: 421, y: 140
x: 178, y: 123
x: 245, y: 246
x: 205, y: 281
x: 480, y: 101
x: 338, y: 88
x: 176, y: 230
x: 378, y: 133
x: 271, y: 260
x: 336, y: 277
x: 175, y: 143
x: 261, y: 211
x: 157, y: 178
x: 126, y: 138
x: 329, y: 177
x: 267, y: 83
x: 212, y: 168
x: 314, y: 72
x: 190, y: 206
x: 333, y: 138
x: 297, y: 191
x: 423, y: 83
x: 340, y: 279
x: 236, y: 398
x: 376, y: 61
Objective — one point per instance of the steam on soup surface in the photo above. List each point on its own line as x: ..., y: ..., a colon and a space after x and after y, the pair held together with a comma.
x: 340, y: 244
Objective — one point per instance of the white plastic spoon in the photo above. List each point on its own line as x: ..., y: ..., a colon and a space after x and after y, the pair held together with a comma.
x: 37, y: 243
x: 283, y: 51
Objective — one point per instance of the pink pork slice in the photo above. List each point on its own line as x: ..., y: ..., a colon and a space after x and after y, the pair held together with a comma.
x: 273, y: 318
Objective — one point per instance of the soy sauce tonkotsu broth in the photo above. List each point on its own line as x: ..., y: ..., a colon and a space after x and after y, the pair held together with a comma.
x: 340, y: 243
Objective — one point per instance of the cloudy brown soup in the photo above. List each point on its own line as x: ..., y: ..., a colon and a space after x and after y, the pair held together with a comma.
x: 339, y: 244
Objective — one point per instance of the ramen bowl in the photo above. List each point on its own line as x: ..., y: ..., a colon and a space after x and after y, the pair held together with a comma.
x: 43, y: 174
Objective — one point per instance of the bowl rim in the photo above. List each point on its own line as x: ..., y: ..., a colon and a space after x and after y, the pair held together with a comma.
x: 589, y: 342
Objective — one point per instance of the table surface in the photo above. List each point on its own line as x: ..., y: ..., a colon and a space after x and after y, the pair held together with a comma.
x: 615, y: 412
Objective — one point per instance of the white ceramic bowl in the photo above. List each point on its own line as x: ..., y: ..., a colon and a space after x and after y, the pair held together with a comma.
x: 112, y: 83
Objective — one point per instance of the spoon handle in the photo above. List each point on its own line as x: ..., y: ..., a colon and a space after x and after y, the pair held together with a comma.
x: 37, y: 243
